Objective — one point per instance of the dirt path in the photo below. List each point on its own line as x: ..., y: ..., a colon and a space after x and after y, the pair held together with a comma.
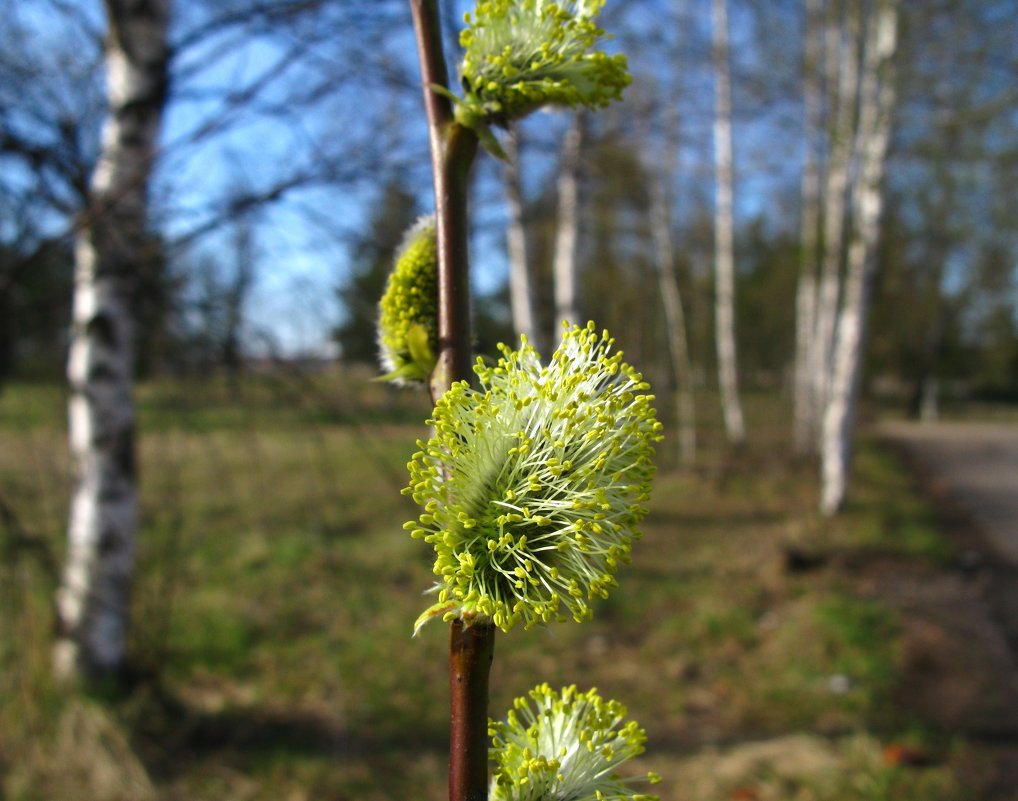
x: 961, y: 624
x: 974, y: 463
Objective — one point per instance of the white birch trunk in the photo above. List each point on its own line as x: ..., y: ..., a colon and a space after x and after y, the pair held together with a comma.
x: 521, y: 299
x: 929, y: 402
x: 875, y: 111
x: 806, y: 423
x: 94, y: 595
x: 564, y: 266
x: 724, y: 237
x: 842, y: 72
x: 675, y: 318
x: 805, y: 411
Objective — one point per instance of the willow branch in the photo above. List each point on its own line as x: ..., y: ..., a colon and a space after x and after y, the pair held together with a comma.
x: 471, y: 649
x: 428, y: 32
x: 453, y: 148
x: 451, y: 190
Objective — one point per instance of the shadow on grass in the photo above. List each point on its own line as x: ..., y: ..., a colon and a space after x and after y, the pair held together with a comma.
x: 170, y: 735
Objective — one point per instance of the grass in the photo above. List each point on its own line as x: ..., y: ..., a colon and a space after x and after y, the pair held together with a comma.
x: 276, y: 592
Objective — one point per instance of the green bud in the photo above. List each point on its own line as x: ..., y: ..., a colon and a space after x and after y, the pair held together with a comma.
x: 517, y: 537
x: 565, y: 745
x: 408, y: 311
x: 521, y: 55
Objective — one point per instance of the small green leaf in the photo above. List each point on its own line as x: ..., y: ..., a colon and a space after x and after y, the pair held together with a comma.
x: 429, y: 614
x: 420, y: 348
x: 491, y: 144
x: 468, y: 117
x: 438, y: 89
x: 407, y: 372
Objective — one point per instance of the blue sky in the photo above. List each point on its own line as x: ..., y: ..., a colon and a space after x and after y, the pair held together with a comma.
x: 301, y: 241
x: 300, y: 263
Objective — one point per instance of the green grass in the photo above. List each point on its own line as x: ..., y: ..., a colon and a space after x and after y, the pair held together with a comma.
x: 276, y: 593
x: 31, y: 405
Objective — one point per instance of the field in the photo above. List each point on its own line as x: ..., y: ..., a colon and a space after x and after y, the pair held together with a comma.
x: 276, y: 593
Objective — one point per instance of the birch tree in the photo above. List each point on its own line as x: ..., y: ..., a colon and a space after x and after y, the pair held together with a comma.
x: 842, y: 77
x: 806, y: 294
x: 661, y: 177
x: 521, y: 297
x: 50, y: 114
x: 832, y: 45
x: 564, y: 264
x: 724, y: 237
x: 110, y: 245
x: 675, y: 318
x: 876, y: 104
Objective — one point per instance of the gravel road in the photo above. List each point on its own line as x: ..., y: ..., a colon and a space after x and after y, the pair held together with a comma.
x: 976, y: 463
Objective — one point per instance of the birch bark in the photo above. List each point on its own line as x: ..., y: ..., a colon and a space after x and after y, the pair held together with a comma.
x: 877, y: 99
x: 675, y: 320
x: 724, y: 237
x: 521, y: 299
x: 93, y: 598
x: 842, y: 72
x: 806, y: 296
x: 564, y: 266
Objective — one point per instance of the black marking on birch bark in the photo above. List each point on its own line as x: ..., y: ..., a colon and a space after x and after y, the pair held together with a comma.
x: 101, y: 327
x: 114, y: 488
x: 101, y: 371
x: 110, y: 541
x: 130, y: 138
x: 61, y: 628
x: 123, y: 452
x: 141, y: 105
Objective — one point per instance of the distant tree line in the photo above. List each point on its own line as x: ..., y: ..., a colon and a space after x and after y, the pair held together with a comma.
x: 944, y: 293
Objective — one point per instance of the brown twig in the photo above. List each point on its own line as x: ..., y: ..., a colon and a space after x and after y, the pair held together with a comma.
x: 438, y: 107
x: 471, y: 649
x: 453, y: 148
x: 451, y: 185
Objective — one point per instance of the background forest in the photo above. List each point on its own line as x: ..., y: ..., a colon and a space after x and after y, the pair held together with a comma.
x: 291, y: 160
x: 268, y: 654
